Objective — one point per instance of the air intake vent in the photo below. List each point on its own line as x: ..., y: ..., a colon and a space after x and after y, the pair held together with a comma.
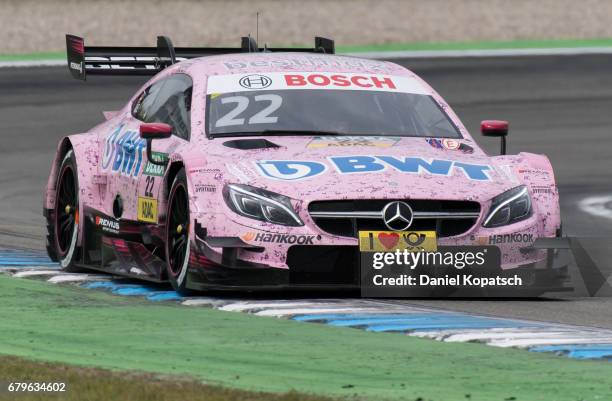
x: 250, y: 144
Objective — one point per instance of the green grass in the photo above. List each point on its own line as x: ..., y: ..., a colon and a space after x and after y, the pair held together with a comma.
x: 480, y: 45
x: 72, y: 325
x: 94, y: 384
x: 33, y: 56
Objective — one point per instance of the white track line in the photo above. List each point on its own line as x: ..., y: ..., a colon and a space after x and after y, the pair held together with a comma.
x: 249, y: 306
x: 209, y: 302
x: 511, y: 336
x: 76, y: 278
x: 527, y: 343
x: 33, y: 273
x: 596, y: 205
x: 32, y: 63
x: 28, y: 268
x: 442, y: 335
x: 313, y: 311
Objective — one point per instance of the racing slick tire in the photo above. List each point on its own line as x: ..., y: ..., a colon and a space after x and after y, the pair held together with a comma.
x: 177, y: 234
x: 66, y: 215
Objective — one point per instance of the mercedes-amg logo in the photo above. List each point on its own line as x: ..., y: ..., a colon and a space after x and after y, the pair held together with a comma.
x: 255, y: 81
x: 397, y: 216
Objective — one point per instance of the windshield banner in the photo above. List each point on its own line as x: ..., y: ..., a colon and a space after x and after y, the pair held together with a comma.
x: 219, y: 84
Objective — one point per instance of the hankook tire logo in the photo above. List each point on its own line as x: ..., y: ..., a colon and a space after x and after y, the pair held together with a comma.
x: 397, y: 216
x: 255, y: 81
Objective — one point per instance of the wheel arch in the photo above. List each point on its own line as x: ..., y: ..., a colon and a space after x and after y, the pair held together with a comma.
x: 62, y: 148
x: 85, y: 150
x: 536, y: 172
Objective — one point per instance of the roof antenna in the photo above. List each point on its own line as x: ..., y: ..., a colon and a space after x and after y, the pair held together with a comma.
x: 257, y: 28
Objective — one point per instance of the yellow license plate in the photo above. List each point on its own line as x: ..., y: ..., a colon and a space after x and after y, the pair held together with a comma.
x: 389, y: 241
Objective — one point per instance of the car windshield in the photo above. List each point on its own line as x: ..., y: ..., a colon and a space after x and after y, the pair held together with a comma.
x: 329, y: 104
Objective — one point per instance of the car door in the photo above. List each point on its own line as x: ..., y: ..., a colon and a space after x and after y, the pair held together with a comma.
x: 172, y: 105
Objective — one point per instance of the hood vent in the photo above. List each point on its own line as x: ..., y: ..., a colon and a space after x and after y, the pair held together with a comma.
x: 250, y: 144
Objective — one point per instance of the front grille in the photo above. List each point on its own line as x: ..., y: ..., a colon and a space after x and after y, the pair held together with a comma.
x: 347, y: 217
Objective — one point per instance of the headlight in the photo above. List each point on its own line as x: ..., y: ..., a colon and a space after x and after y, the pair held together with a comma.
x: 510, y: 207
x: 260, y: 204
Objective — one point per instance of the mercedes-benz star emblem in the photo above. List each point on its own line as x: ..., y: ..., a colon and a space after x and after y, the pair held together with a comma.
x: 255, y: 81
x: 397, y: 216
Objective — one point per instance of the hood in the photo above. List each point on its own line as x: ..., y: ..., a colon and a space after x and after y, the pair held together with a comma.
x: 328, y: 167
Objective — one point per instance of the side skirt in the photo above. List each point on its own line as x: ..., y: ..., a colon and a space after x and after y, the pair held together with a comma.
x: 122, y: 247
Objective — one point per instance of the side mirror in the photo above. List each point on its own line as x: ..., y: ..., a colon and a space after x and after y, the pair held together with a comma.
x: 150, y: 131
x: 495, y: 128
x: 155, y: 131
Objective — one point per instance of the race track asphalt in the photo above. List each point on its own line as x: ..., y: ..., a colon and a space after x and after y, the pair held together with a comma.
x: 560, y: 106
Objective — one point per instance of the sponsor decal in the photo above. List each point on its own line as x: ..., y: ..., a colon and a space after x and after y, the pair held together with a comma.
x: 294, y: 63
x: 294, y: 170
x: 155, y: 169
x: 505, y: 239
x: 147, y: 209
x: 124, y: 152
x: 108, y: 225
x: 77, y: 45
x: 351, y: 141
x: 288, y: 170
x: 278, y: 238
x: 449, y: 144
x: 435, y: 143
x: 76, y: 66
x: 119, y: 62
x: 542, y: 190
x: 199, y: 188
x: 231, y: 83
x: 534, y: 172
x: 205, y: 170
x: 255, y: 81
x: 386, y: 241
x: 340, y: 80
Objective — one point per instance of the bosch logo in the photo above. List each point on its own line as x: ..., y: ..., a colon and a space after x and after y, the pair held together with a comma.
x: 255, y: 81
x: 397, y: 216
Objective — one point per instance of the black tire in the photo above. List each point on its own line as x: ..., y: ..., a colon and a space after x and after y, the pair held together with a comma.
x: 177, y: 234
x: 66, y: 215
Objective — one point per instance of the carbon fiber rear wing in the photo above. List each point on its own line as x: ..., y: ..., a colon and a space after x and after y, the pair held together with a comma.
x: 105, y: 60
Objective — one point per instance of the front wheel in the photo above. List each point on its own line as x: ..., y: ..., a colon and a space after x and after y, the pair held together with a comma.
x: 177, y: 234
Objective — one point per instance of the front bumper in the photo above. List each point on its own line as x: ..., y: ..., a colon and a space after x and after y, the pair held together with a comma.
x: 273, y: 242
x: 305, y: 256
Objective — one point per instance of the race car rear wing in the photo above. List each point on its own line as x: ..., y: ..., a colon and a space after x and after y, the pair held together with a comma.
x: 105, y: 60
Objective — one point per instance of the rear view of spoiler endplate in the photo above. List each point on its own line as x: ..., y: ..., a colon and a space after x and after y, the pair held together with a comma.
x: 105, y: 60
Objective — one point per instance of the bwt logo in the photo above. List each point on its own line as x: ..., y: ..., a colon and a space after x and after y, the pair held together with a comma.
x: 255, y: 81
x: 294, y: 170
x: 124, y: 152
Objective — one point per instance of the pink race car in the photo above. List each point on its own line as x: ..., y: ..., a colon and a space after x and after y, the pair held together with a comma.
x: 268, y: 167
